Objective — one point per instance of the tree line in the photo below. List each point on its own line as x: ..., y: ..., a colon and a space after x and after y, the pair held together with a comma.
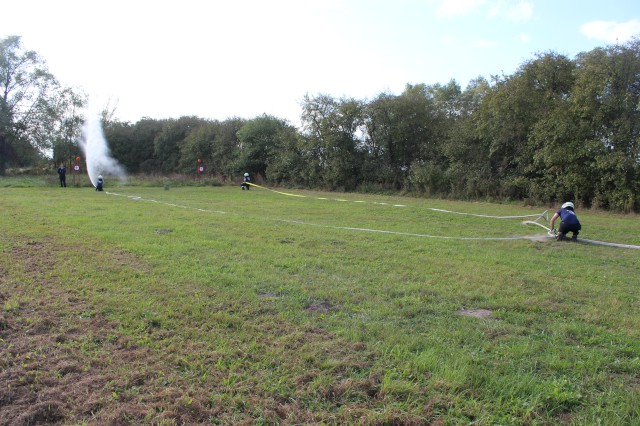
x: 556, y: 129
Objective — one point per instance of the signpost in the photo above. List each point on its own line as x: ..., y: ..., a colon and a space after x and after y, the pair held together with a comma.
x: 76, y: 170
x: 200, y: 169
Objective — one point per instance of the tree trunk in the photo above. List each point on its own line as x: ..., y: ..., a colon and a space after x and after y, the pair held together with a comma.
x: 3, y: 155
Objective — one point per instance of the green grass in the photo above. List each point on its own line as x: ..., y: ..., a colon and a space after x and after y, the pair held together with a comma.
x: 273, y: 312
x: 27, y: 182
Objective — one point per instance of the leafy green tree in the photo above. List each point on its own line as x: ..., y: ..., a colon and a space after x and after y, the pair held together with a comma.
x: 510, y: 111
x: 65, y: 125
x: 430, y: 171
x: 333, y: 128
x: 169, y: 141
x: 133, y: 145
x: 504, y: 119
x: 258, y: 142
x: 606, y: 102
x: 30, y: 103
x: 565, y: 158
x: 226, y: 147
x: 382, y: 165
x: 401, y: 132
x: 120, y: 137
x: 468, y: 173
x: 291, y: 162
x: 199, y: 145
x: 553, y: 159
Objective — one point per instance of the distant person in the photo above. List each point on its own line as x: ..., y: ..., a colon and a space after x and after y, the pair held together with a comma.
x: 99, y: 183
x: 568, y: 222
x: 246, y: 183
x: 62, y: 172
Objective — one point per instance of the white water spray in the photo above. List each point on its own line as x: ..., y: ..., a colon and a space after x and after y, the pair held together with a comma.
x: 96, y: 151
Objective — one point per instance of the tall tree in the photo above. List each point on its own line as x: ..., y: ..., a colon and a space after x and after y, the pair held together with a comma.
x: 382, y: 163
x: 258, y: 141
x: 334, y: 127
x: 400, y: 132
x: 510, y: 111
x: 27, y: 94
x: 198, y: 145
x: 132, y: 145
x: 468, y: 171
x: 552, y: 161
x: 290, y: 165
x: 226, y: 146
x: 606, y: 101
x: 65, y: 124
x: 168, y: 143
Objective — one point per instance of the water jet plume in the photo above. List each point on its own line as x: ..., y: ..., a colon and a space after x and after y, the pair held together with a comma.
x: 96, y: 151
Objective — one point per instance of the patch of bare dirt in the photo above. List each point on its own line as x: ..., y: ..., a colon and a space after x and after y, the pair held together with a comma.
x: 61, y: 366
x: 63, y: 363
x: 477, y: 313
x: 320, y: 308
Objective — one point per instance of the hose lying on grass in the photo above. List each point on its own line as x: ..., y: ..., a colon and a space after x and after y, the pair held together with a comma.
x: 543, y: 215
x: 582, y: 240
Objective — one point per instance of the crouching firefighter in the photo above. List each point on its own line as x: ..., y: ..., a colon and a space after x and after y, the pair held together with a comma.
x: 568, y: 222
x: 246, y: 182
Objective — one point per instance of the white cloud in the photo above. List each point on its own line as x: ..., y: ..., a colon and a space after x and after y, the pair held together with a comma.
x: 511, y: 11
x: 611, y: 31
x: 523, y: 11
x: 449, y: 8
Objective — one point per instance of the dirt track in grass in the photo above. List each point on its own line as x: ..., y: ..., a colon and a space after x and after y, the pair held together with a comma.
x: 62, y: 362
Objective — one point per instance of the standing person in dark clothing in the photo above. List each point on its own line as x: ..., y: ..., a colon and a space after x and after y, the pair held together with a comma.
x: 99, y: 183
x: 62, y: 172
x: 568, y: 222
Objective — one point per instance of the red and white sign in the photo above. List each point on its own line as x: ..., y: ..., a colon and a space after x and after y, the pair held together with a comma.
x: 200, y: 169
x: 76, y: 168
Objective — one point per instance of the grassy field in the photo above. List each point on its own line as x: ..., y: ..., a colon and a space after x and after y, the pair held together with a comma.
x: 211, y: 305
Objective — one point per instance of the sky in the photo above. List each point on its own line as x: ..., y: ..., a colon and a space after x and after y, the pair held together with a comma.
x: 218, y: 59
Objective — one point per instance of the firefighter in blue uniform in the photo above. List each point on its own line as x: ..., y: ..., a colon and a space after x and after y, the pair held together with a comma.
x: 568, y: 222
